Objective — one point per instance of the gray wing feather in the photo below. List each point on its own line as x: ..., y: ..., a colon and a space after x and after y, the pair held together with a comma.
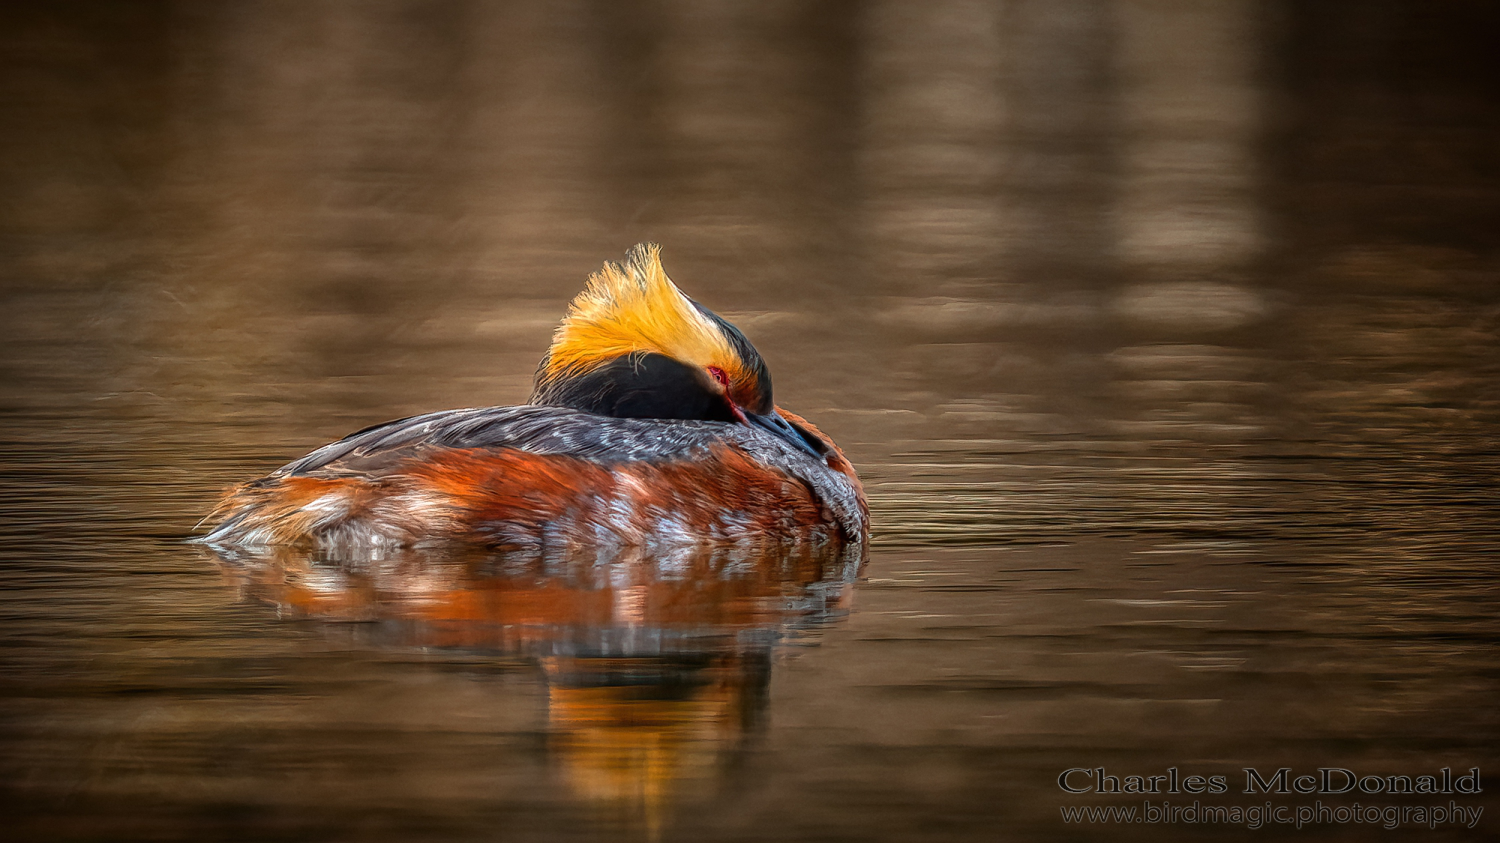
x: 537, y: 430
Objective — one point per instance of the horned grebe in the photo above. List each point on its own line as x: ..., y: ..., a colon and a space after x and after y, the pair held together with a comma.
x: 650, y: 422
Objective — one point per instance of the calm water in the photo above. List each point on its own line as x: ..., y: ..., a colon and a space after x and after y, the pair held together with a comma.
x: 1166, y: 337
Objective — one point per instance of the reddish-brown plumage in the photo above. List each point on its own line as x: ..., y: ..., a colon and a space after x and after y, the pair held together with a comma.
x: 515, y: 497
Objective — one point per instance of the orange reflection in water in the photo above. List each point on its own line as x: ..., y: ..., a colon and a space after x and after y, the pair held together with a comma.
x: 631, y: 732
x: 656, y: 662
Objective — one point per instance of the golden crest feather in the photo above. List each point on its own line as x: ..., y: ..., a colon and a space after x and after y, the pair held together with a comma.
x: 629, y: 307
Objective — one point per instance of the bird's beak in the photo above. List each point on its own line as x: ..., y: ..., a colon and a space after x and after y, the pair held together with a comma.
x: 775, y: 425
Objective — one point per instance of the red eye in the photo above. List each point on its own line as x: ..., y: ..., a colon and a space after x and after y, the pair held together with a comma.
x: 719, y: 377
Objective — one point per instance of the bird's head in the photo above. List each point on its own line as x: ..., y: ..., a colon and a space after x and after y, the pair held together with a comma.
x: 633, y: 346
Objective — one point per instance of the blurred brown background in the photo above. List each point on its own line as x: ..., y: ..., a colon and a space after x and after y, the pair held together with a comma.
x: 1163, y: 332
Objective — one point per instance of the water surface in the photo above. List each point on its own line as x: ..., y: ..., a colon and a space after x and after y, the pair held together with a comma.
x: 1164, y: 336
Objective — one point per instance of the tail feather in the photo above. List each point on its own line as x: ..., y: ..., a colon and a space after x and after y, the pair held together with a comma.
x: 326, y: 512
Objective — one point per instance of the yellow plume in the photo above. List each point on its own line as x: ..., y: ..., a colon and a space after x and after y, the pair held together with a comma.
x: 632, y: 306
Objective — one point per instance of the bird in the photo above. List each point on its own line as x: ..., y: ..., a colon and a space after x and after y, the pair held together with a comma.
x: 651, y: 424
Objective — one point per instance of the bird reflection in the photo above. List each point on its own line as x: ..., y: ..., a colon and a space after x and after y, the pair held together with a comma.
x: 656, y: 662
x: 630, y: 732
